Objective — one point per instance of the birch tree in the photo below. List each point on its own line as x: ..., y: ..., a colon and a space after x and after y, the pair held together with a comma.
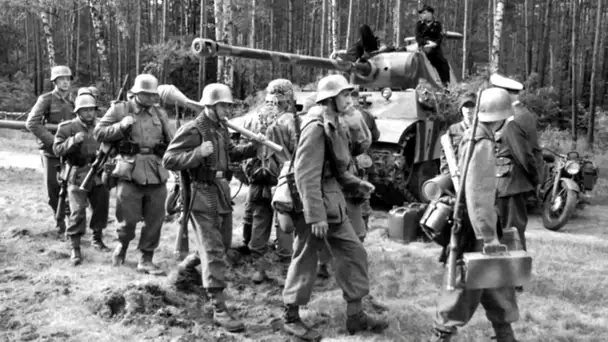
x: 102, y: 52
x: 593, y: 91
x: 573, y: 64
x: 397, y: 23
x: 219, y: 29
x: 48, y: 34
x: 465, y: 39
x: 228, y: 38
x: 334, y: 22
x: 349, y: 23
x: 498, y: 14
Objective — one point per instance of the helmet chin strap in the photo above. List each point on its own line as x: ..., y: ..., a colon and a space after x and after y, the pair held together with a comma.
x: 211, y: 113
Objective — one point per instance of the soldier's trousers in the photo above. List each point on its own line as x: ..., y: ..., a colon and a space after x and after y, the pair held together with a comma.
x: 512, y: 212
x: 98, y: 197
x: 438, y: 61
x: 247, y: 222
x: 213, y: 233
x: 262, y: 217
x: 135, y: 202
x: 354, y: 210
x: 351, y: 262
x: 50, y: 164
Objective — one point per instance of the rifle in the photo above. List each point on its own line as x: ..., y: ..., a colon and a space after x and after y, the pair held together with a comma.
x: 458, y: 205
x: 104, y: 153
x: 63, y: 191
x: 182, y: 247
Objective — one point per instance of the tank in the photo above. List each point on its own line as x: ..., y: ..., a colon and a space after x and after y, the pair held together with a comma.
x: 408, y: 151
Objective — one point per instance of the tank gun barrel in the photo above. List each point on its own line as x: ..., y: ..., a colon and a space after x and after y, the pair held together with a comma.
x: 209, y: 48
x: 12, y: 124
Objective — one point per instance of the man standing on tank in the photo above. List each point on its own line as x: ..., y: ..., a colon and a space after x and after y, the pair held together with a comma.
x: 429, y: 36
x: 52, y: 108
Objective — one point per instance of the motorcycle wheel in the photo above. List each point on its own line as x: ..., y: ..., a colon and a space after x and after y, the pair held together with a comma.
x: 555, y: 220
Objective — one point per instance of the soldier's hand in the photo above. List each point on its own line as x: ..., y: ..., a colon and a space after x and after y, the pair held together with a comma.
x: 319, y: 229
x: 206, y: 148
x: 259, y: 138
x: 366, y: 187
x: 493, y: 241
x: 79, y: 137
x: 126, y: 122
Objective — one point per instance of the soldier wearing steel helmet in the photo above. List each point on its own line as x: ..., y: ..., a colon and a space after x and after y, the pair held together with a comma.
x: 321, y: 170
x: 263, y: 170
x: 140, y: 129
x: 74, y: 142
x: 455, y: 308
x: 203, y: 148
x: 52, y: 108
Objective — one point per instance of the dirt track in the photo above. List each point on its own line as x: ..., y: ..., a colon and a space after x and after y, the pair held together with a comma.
x: 43, y: 298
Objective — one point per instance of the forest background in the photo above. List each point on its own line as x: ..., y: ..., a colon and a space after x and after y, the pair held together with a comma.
x: 556, y: 47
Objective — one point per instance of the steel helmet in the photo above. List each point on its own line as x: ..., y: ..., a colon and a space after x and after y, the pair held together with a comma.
x: 495, y: 105
x: 332, y: 85
x: 215, y: 93
x: 94, y: 91
x: 145, y: 83
x: 84, y: 101
x: 279, y: 90
x: 60, y: 71
x: 84, y: 91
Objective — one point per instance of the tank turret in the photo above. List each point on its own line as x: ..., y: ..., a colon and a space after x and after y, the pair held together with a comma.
x: 395, y: 70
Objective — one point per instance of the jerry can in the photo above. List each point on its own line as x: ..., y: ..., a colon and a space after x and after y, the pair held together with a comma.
x: 404, y: 222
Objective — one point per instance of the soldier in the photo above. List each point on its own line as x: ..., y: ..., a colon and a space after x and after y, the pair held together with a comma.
x: 203, y: 148
x: 140, y: 129
x: 75, y: 142
x: 263, y: 172
x: 320, y: 169
x: 52, y: 108
x: 518, y: 171
x: 429, y: 35
x: 456, y: 308
x: 456, y: 131
x: 365, y: 46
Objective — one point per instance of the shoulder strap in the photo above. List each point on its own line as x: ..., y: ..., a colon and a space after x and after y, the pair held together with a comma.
x: 298, y: 133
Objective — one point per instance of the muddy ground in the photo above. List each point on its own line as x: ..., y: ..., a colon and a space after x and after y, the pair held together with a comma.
x: 43, y: 298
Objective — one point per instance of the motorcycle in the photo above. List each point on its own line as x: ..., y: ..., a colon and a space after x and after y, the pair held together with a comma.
x: 567, y: 179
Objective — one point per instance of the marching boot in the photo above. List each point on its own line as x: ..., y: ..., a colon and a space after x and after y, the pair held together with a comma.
x: 294, y: 326
x: 145, y: 264
x: 357, y: 320
x: 60, y: 226
x: 221, y: 316
x: 244, y: 249
x: 98, y: 241
x: 75, y: 257
x: 189, y: 262
x: 120, y: 252
x: 377, y: 306
x: 504, y: 332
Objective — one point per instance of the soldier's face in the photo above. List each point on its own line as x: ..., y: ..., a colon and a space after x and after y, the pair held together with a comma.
x: 468, y: 110
x: 146, y: 99
x: 87, y: 114
x: 63, y: 83
x: 426, y: 16
x: 343, y: 101
x: 223, y: 110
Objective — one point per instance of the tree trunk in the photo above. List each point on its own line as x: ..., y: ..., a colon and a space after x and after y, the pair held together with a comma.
x: 378, y: 13
x: 228, y: 38
x: 164, y: 29
x: 573, y: 64
x: 349, y: 23
x: 202, y: 73
x: 397, y: 23
x: 37, y: 52
x: 102, y: 52
x: 542, y: 59
x: 137, y: 34
x: 323, y: 26
x: 334, y: 22
x: 527, y: 42
x: 592, y: 93
x: 290, y: 34
x: 498, y: 14
x: 217, y: 9
x: 27, y: 45
x: 48, y: 34
x: 465, y: 39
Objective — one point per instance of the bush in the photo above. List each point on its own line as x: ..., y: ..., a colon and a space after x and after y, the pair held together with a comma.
x: 16, y: 95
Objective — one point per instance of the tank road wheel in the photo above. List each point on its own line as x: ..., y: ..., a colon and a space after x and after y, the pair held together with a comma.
x: 420, y: 174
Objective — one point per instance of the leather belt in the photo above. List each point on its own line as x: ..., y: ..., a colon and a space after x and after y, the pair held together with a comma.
x: 145, y: 150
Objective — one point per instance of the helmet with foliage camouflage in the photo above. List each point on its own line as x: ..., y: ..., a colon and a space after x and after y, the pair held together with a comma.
x: 279, y: 90
x: 332, y: 85
x: 94, y: 91
x: 84, y: 91
x: 60, y: 71
x: 145, y: 83
x: 84, y: 101
x: 495, y: 105
x: 216, y: 93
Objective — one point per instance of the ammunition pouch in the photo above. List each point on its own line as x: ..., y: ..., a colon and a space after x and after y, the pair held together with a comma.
x: 124, y: 167
x: 79, y: 161
x: 504, y: 166
x: 106, y: 175
x: 127, y: 148
x: 210, y: 176
x: 436, y: 222
x: 259, y: 174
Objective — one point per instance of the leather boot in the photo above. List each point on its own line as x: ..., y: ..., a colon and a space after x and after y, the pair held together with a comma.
x: 363, y: 322
x: 504, y: 332
x: 189, y: 262
x: 60, y: 226
x: 294, y: 326
x: 98, y: 241
x: 221, y: 316
x: 441, y: 336
x: 120, y: 253
x: 244, y: 249
x: 75, y: 256
x: 370, y: 301
x: 145, y: 264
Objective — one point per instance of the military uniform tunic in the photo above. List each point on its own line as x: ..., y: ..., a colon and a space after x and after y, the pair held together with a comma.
x: 527, y: 120
x: 455, y: 308
x: 211, y: 206
x: 51, y: 108
x: 517, y: 175
x: 321, y: 191
x: 80, y: 156
x: 433, y: 31
x: 141, y: 189
x: 455, y: 132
